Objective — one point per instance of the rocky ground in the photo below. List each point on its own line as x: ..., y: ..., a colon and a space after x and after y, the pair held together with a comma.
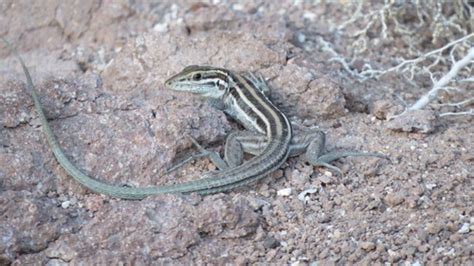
x: 100, y: 67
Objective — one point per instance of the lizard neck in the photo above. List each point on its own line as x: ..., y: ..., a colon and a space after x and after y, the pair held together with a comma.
x: 245, y: 102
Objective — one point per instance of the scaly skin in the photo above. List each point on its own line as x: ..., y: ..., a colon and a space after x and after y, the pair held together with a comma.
x: 210, y: 183
x: 244, y: 97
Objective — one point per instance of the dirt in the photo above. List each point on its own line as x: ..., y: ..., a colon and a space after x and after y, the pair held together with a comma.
x: 99, y: 68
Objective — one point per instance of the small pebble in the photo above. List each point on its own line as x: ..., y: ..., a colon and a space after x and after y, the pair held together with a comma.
x: 433, y: 228
x: 325, y: 179
x: 73, y: 201
x: 423, y: 248
x: 393, y: 199
x: 464, y: 229
x: 304, y: 193
x: 309, y: 15
x: 324, y: 218
x: 65, y: 204
x: 367, y: 246
x: 238, y: 7
x: 392, y: 253
x: 161, y: 27
x: 301, y: 37
x: 284, y: 192
x: 270, y: 243
x: 451, y: 252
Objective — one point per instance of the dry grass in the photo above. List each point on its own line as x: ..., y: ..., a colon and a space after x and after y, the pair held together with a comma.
x: 413, y: 40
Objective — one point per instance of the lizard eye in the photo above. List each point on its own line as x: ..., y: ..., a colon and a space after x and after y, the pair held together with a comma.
x: 197, y: 76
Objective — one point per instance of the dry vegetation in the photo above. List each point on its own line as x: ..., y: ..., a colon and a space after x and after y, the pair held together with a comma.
x: 434, y: 41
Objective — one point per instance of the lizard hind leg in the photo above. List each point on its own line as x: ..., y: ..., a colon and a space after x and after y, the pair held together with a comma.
x: 239, y: 143
x: 325, y: 159
x: 312, y: 144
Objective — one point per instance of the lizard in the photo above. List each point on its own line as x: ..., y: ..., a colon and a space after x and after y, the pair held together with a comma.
x: 269, y: 136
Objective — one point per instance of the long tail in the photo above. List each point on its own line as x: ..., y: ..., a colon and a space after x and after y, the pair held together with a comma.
x: 89, y: 182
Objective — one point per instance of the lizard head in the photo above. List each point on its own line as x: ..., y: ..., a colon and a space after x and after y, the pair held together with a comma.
x: 209, y: 82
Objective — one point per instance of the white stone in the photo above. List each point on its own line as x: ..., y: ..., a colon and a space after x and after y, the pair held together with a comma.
x: 464, y: 228
x: 303, y: 195
x: 161, y: 27
x: 284, y: 192
x: 65, y: 204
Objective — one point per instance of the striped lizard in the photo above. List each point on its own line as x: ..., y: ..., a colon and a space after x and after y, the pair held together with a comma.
x: 269, y: 136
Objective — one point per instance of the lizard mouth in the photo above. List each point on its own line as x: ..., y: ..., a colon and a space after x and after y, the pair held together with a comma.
x: 169, y: 82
